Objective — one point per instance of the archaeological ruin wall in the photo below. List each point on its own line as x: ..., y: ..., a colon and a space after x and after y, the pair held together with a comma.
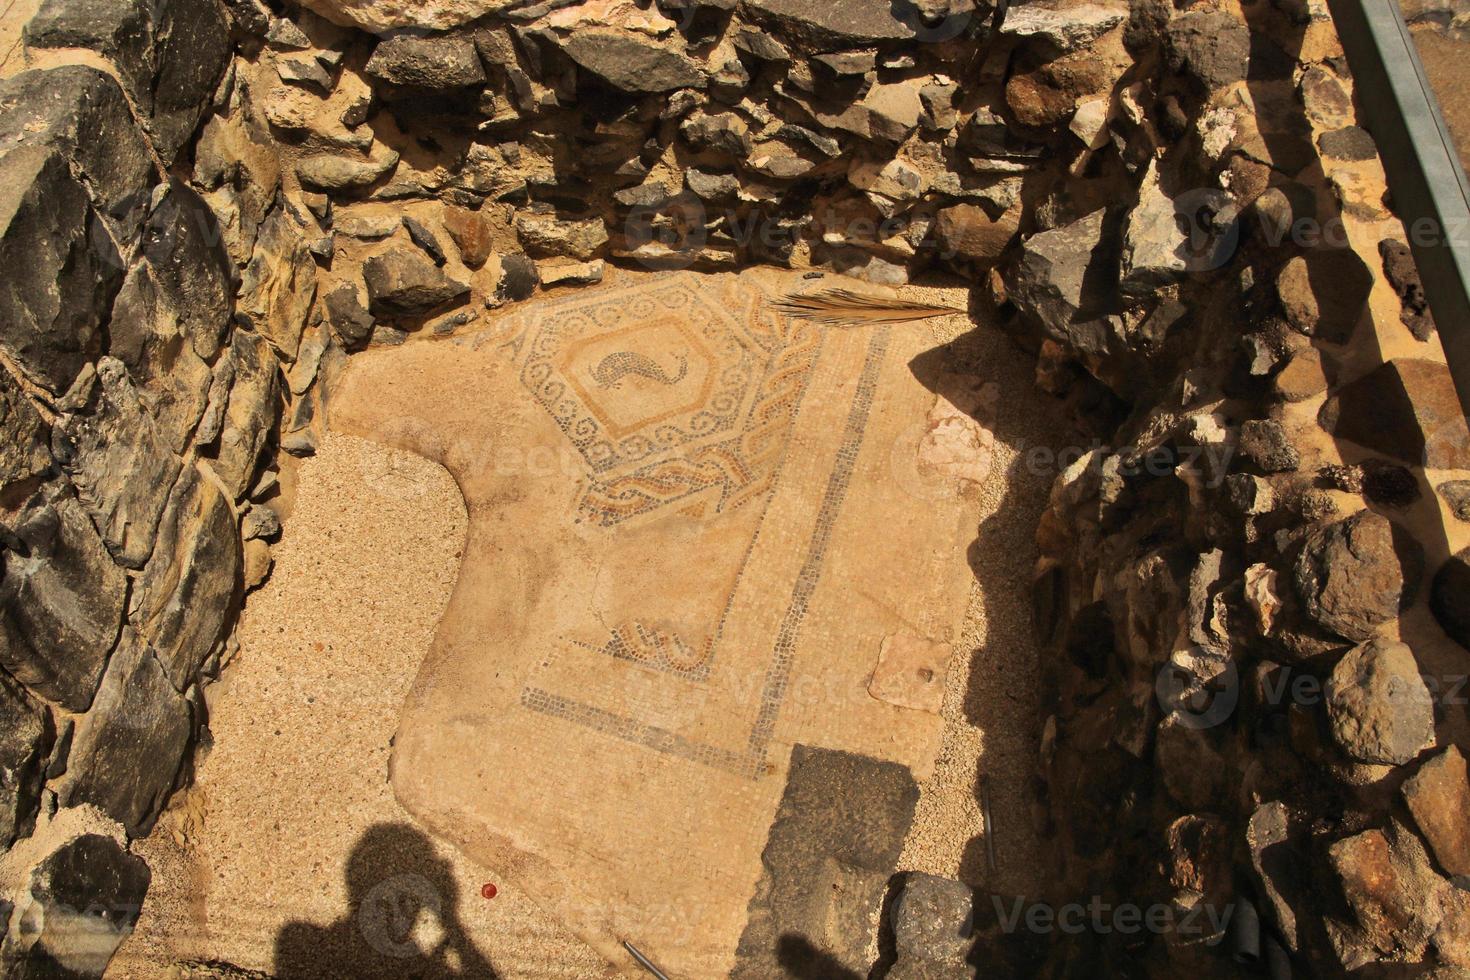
x: 210, y: 205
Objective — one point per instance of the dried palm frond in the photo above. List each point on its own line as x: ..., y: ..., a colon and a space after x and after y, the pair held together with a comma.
x: 843, y: 307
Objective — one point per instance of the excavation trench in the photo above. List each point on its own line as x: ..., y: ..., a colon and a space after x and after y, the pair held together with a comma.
x: 595, y: 679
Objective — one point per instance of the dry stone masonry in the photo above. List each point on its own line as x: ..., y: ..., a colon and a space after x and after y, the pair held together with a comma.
x: 209, y: 204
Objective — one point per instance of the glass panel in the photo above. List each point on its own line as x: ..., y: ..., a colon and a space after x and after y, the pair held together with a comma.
x: 1441, y: 30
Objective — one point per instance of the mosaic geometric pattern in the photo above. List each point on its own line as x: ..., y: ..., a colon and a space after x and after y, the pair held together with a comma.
x: 670, y: 394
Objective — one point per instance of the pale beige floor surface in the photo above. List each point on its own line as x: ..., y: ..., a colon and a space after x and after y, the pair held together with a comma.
x: 304, y: 719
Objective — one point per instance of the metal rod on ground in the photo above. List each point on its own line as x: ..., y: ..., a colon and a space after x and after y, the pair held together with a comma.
x: 987, y: 827
x: 644, y: 961
x: 1429, y: 189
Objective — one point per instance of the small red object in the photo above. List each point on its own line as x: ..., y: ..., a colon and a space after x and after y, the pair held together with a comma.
x: 488, y: 890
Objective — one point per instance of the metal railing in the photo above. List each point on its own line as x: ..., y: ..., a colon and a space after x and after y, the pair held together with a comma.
x: 1430, y: 192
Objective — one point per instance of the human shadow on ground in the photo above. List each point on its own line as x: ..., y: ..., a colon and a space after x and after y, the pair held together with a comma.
x: 802, y: 960
x: 402, y: 919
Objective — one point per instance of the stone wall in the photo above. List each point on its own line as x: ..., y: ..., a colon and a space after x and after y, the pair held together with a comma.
x: 229, y: 197
x: 1245, y: 591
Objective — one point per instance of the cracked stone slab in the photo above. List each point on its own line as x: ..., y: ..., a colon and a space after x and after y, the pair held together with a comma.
x: 671, y: 579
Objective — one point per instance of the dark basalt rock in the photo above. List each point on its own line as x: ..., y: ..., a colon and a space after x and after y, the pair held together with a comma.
x: 1403, y: 276
x: 62, y: 601
x: 403, y: 282
x: 127, y: 751
x: 1357, y: 574
x: 82, y: 901
x: 1212, y: 48
x: 119, y: 462
x: 62, y: 269
x: 25, y: 737
x: 845, y: 24
x: 170, y: 55
x: 632, y: 63
x: 443, y: 62
x: 348, y: 316
x: 933, y: 929
x: 1449, y: 598
x: 1265, y: 443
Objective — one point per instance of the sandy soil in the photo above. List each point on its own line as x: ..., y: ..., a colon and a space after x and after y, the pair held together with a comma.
x: 303, y: 722
x: 293, y: 800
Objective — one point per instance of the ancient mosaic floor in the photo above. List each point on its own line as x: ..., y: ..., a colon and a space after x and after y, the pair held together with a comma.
x: 700, y: 534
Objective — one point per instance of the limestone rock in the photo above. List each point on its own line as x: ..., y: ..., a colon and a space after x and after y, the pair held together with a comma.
x: 571, y: 273
x: 338, y: 173
x: 1357, y: 574
x: 1406, y: 409
x: 25, y: 738
x: 382, y: 16
x: 933, y: 928
x: 279, y: 285
x: 443, y: 62
x: 1167, y: 237
x: 119, y: 464
x: 257, y: 564
x: 1438, y: 796
x: 250, y: 412
x: 1449, y: 598
x: 187, y: 593
x: 1378, y: 706
x: 403, y: 282
x: 127, y: 751
x: 170, y: 55
x: 79, y: 903
x: 1067, y: 29
x: 549, y: 235
x: 632, y: 62
x: 63, y: 603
